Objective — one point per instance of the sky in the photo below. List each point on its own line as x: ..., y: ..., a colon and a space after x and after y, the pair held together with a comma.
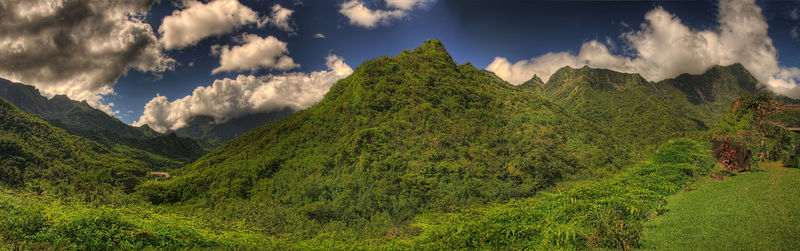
x: 161, y: 62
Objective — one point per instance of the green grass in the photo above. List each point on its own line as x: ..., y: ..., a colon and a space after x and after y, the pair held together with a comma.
x: 750, y: 211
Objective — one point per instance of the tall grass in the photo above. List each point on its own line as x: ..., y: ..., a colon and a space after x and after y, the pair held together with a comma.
x: 607, y: 213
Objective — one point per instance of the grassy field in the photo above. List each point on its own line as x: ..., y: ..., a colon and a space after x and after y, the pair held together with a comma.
x: 749, y: 211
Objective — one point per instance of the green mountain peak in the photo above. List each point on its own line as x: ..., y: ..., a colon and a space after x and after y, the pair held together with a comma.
x: 534, y: 83
x: 415, y: 132
x: 717, y: 83
x: 432, y: 50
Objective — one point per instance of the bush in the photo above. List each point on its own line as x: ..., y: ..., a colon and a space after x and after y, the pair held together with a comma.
x: 733, y: 156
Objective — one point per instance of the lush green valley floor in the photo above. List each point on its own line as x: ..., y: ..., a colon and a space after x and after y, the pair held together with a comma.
x: 750, y: 211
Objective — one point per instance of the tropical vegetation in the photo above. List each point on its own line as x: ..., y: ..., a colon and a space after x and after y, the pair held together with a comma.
x: 413, y: 151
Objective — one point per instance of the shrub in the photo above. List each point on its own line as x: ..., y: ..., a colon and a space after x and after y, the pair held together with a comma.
x: 732, y: 156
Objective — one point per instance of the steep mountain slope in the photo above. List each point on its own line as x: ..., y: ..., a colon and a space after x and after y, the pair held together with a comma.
x: 79, y: 118
x: 717, y: 88
x: 645, y: 112
x: 400, y: 136
x: 631, y: 107
x: 534, y: 83
x: 31, y: 150
x: 205, y: 128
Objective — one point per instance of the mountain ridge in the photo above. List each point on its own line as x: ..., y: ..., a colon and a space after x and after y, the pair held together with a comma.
x: 80, y: 119
x: 33, y: 149
x: 206, y: 129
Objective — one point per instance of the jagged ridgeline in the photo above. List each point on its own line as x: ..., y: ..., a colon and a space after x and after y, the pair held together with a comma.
x: 401, y: 135
x: 34, y: 153
x: 643, y: 112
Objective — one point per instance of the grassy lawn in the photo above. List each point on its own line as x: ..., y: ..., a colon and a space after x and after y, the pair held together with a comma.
x: 750, y: 211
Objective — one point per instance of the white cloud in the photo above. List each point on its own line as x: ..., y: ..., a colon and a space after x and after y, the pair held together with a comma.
x: 255, y: 53
x: 45, y: 44
x: 198, y: 21
x: 592, y: 53
x: 319, y: 35
x: 359, y: 15
x: 406, y: 4
x: 228, y: 98
x: 664, y: 47
x: 281, y: 18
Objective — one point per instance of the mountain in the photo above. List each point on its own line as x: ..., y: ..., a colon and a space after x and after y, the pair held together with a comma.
x: 628, y: 105
x: 534, y: 83
x: 642, y: 111
x: 34, y: 152
x: 206, y: 129
x: 400, y: 136
x: 78, y: 118
x: 717, y: 88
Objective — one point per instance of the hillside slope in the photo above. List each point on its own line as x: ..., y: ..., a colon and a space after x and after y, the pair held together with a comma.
x: 80, y: 119
x: 629, y: 106
x: 34, y: 152
x: 400, y: 136
x: 645, y: 112
x: 717, y: 88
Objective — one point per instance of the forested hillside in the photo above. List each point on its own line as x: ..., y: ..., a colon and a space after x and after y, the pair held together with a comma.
x: 644, y: 112
x: 78, y: 118
x: 400, y: 136
x: 44, y: 157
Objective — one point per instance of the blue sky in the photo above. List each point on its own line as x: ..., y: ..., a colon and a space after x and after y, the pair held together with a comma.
x: 473, y: 31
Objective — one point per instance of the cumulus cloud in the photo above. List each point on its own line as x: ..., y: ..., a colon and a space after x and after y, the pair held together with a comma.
x: 229, y: 98
x: 319, y: 35
x: 664, y: 47
x: 592, y: 53
x: 281, y: 18
x: 197, y: 21
x: 360, y: 15
x: 254, y: 54
x: 77, y: 48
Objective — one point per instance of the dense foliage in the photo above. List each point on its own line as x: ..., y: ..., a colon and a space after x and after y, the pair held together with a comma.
x: 762, y: 124
x: 400, y: 136
x: 643, y: 112
x: 36, y: 154
x: 609, y: 213
x: 411, y: 151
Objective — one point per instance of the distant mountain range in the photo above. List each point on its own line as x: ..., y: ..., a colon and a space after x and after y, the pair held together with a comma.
x: 206, y: 129
x: 641, y: 111
x: 78, y: 118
